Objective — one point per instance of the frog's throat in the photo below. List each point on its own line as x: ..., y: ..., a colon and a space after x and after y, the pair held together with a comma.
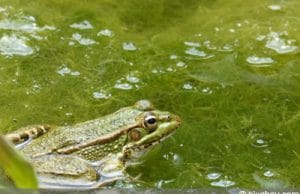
x: 107, y: 138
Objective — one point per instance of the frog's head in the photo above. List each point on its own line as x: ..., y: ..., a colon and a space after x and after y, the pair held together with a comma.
x: 154, y: 127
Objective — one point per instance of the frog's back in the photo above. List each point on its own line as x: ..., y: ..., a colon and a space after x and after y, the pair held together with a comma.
x: 60, y: 137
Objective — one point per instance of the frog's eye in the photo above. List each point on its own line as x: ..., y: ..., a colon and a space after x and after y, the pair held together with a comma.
x: 150, y: 122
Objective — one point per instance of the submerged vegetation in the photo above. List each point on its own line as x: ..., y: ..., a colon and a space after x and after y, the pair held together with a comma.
x: 229, y: 69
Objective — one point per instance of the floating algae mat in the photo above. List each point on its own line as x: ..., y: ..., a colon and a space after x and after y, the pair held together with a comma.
x: 230, y: 70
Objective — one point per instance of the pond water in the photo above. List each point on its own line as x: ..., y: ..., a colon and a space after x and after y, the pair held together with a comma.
x: 230, y: 69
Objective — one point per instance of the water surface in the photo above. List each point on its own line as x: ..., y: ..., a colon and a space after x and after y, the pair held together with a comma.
x: 230, y: 69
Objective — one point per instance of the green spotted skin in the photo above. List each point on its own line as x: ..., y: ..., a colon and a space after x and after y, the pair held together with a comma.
x: 81, y: 155
x: 60, y: 137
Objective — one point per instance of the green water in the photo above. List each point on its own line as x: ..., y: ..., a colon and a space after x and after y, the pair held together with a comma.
x: 230, y: 69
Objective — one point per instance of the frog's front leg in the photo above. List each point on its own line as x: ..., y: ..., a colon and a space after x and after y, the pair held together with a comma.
x: 25, y: 133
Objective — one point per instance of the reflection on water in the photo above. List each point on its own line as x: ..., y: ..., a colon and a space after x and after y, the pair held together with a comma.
x: 129, y: 46
x: 18, y: 30
x: 261, y: 61
x: 268, y: 173
x: 195, y: 52
x: 181, y: 64
x: 213, y: 175
x: 82, y: 25
x: 223, y: 183
x: 105, y: 32
x: 101, y: 95
x: 81, y: 40
x: 270, y: 183
x: 13, y: 45
x: 65, y: 70
x: 274, y: 7
x: 276, y: 42
x: 187, y: 86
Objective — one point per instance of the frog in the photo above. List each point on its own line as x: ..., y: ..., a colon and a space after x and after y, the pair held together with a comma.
x: 94, y: 153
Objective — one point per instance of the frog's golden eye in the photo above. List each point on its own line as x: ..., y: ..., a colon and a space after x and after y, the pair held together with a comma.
x: 150, y: 122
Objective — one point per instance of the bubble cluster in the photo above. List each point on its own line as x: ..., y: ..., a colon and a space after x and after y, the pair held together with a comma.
x: 195, y: 52
x: 64, y: 70
x: 19, y: 29
x: 105, y: 32
x: 82, y: 25
x: 102, y: 94
x: 129, y: 46
x: 13, y: 45
x: 261, y: 61
x: 277, y: 42
x: 83, y: 41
